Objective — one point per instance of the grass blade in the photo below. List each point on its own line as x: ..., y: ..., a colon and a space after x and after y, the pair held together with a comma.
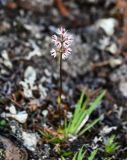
x: 93, y: 154
x: 89, y: 126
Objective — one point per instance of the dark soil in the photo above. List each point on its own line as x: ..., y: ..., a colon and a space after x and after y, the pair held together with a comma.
x: 25, y: 44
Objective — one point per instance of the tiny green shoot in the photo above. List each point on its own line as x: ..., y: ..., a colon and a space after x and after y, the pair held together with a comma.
x: 111, y: 146
x: 81, y: 154
x: 77, y: 156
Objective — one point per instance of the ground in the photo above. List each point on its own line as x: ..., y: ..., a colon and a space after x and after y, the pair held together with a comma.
x: 29, y: 76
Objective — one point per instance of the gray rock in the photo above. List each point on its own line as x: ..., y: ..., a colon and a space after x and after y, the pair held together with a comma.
x: 11, y: 151
x: 35, y: 5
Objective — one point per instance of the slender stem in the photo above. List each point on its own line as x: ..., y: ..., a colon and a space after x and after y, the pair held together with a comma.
x: 60, y: 89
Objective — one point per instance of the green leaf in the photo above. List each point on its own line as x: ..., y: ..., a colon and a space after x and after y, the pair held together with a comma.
x: 81, y: 113
x: 111, y: 146
x: 89, y: 126
x: 62, y: 158
x: 93, y: 154
x: 95, y: 103
x: 79, y: 155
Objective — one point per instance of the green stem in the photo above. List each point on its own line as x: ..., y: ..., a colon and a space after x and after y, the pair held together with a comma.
x: 60, y: 87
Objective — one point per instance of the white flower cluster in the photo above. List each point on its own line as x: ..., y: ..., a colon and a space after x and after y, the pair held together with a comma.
x: 62, y: 43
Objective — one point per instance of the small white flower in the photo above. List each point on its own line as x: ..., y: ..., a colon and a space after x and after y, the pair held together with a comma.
x: 53, y: 52
x: 66, y: 44
x: 64, y: 56
x: 58, y: 44
x: 68, y: 50
x: 54, y: 38
x: 66, y: 53
x: 61, y: 31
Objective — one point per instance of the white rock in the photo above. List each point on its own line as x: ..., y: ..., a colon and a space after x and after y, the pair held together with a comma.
x: 43, y: 91
x: 45, y: 113
x: 21, y: 117
x: 112, y: 48
x: 26, y: 89
x: 69, y: 115
x: 5, y: 55
x: 29, y: 80
x: 3, y: 71
x: 30, y: 140
x: 107, y: 130
x: 104, y: 42
x: 107, y: 24
x: 6, y: 61
x: 115, y: 62
x: 97, y: 139
x: 12, y: 109
x: 123, y: 88
x: 30, y: 75
x: 47, y: 72
x: 36, y: 51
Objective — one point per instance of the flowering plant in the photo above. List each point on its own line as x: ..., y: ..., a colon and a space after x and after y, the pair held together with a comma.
x: 62, y: 42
